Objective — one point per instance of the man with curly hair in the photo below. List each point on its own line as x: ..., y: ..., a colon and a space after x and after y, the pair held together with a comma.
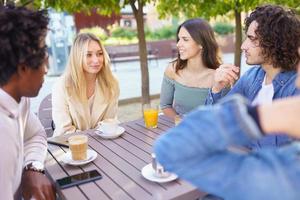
x: 272, y: 39
x: 23, y: 144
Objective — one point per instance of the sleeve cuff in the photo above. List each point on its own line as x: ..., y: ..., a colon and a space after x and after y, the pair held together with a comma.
x: 212, y: 97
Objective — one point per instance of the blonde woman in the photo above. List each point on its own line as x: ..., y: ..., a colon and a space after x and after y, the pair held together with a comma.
x: 87, y: 92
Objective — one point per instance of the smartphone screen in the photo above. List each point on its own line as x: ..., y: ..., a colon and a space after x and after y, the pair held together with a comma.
x: 78, y: 179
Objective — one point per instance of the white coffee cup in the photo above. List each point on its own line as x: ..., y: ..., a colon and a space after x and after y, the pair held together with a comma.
x: 109, y: 126
x: 159, y: 170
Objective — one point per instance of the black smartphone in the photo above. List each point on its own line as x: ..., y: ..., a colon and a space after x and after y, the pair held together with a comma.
x: 78, y: 179
x: 58, y: 140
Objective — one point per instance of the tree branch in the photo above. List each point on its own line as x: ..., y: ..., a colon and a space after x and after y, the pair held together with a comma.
x: 133, y: 7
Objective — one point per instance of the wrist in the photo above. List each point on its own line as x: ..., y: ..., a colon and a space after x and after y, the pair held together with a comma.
x: 216, y: 89
x: 35, y: 166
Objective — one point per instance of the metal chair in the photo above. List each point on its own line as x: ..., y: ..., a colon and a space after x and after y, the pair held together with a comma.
x: 45, y: 115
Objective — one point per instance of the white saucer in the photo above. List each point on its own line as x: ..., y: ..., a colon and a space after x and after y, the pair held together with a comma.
x: 91, y: 155
x: 119, y: 132
x: 148, y: 173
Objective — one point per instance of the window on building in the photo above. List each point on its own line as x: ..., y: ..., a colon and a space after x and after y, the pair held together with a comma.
x: 127, y: 23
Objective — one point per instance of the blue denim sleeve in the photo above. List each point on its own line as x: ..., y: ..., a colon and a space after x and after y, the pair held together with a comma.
x: 212, y: 98
x: 225, y: 124
x: 167, y: 93
x: 197, y: 150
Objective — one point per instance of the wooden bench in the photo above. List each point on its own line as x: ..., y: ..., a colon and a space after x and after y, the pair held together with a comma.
x: 174, y: 50
x: 129, y: 53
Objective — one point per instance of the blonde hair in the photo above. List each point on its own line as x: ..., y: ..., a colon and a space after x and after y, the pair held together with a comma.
x: 74, y: 75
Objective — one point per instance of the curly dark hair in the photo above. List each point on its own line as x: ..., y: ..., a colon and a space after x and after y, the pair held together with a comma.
x: 202, y: 34
x: 278, y: 33
x: 21, y: 34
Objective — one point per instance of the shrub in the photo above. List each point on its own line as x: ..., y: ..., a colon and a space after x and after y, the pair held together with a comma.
x: 223, y: 28
x: 165, y: 32
x: 120, y: 32
x: 119, y: 36
x: 98, y: 31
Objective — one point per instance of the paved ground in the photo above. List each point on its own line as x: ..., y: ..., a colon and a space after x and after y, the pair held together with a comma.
x: 132, y: 111
x: 128, y: 74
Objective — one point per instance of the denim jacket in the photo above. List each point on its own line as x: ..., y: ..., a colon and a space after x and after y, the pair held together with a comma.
x: 249, y: 85
x: 199, y: 150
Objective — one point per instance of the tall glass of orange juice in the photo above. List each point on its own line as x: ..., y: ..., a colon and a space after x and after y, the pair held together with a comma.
x: 150, y: 115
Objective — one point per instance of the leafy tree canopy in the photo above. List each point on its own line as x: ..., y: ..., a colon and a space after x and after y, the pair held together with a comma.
x: 203, y: 8
x: 104, y: 7
x: 213, y: 8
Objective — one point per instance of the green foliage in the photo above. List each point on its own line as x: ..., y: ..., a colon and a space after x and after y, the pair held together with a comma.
x: 293, y: 4
x: 121, y: 36
x: 212, y: 8
x: 98, y: 31
x: 203, y: 8
x: 71, y: 6
x: 128, y: 35
x: 120, y: 32
x: 223, y: 28
x: 165, y: 32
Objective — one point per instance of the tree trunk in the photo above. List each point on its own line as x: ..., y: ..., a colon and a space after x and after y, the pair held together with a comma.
x: 139, y: 17
x: 238, y: 39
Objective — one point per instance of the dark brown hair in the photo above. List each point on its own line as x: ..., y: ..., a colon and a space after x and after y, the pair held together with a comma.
x: 278, y: 33
x: 202, y: 34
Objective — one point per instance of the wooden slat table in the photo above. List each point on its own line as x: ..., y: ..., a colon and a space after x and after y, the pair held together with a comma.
x: 120, y: 162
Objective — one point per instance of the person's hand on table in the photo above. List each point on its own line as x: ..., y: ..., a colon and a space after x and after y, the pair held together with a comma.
x: 36, y: 185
